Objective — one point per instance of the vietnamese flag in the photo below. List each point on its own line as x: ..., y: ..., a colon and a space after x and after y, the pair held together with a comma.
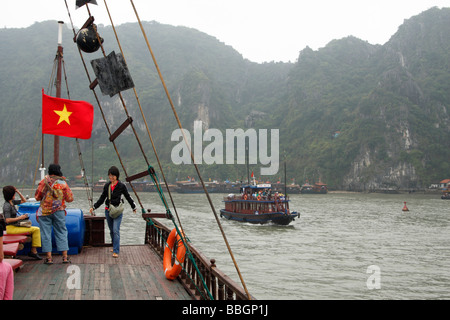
x: 67, y: 118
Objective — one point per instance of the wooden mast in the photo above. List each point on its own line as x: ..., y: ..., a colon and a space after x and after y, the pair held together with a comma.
x: 59, y: 56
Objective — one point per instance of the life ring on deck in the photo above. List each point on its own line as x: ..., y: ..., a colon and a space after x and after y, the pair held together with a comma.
x: 172, y: 271
x: 245, y: 196
x: 259, y: 198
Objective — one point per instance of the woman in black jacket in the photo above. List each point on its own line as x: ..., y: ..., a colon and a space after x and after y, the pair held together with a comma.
x: 117, y: 190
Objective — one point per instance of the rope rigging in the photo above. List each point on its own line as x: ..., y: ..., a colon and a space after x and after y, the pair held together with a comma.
x: 126, y: 123
x: 150, y: 170
x: 187, y: 144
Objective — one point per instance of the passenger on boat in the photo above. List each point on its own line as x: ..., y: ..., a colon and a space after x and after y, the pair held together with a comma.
x: 6, y: 271
x: 117, y: 190
x: 13, y: 220
x: 54, y: 192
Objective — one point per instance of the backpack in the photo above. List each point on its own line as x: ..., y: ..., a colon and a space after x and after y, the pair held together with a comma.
x: 54, y: 197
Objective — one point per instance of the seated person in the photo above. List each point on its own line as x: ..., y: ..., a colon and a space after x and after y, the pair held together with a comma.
x: 6, y: 271
x: 12, y: 220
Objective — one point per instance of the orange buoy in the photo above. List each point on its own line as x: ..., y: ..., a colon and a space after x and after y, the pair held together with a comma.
x: 172, y: 271
x: 405, y: 208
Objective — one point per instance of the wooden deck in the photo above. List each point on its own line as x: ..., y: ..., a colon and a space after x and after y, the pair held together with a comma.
x: 136, y: 275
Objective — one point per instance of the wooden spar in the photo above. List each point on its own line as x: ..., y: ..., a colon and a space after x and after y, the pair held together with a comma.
x: 59, y: 55
x: 122, y: 127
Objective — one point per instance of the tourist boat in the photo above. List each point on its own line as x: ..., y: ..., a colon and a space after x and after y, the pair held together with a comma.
x: 446, y: 194
x: 258, y: 205
x: 138, y: 273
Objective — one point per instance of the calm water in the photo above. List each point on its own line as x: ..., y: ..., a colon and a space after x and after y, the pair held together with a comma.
x: 326, y: 253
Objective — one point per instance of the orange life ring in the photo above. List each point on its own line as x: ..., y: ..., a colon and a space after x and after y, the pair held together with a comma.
x: 172, y: 271
x: 259, y: 198
x: 245, y: 196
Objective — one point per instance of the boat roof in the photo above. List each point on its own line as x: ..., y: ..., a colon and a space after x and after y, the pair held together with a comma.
x: 258, y: 186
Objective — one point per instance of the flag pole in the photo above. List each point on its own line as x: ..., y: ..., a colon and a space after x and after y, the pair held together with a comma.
x: 246, y: 160
x: 59, y: 55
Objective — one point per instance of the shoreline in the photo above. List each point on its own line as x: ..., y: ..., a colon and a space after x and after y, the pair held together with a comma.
x: 431, y: 191
x: 423, y: 191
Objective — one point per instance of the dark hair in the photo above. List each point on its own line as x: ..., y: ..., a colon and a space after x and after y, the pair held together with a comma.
x: 8, y: 192
x: 114, y: 171
x: 55, y: 169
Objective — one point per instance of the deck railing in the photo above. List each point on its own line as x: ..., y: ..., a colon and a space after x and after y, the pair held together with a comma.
x: 219, y: 285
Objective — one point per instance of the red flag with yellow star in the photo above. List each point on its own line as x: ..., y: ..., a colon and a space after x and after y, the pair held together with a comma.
x: 67, y: 118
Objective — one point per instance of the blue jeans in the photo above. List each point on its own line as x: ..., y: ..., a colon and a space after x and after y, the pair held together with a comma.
x: 114, y: 230
x: 58, y: 222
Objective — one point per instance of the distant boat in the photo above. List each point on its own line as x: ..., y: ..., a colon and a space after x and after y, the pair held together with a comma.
x: 98, y: 186
x: 150, y: 187
x: 306, y: 188
x: 189, y: 187
x: 290, y: 188
x: 317, y: 188
x: 196, y: 187
x: 256, y: 204
x: 232, y: 187
x: 446, y: 194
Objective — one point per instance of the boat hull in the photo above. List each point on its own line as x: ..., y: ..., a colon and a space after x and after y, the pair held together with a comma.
x: 279, y: 218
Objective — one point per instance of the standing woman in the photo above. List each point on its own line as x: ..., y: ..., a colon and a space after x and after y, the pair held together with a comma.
x: 53, y: 192
x: 117, y: 189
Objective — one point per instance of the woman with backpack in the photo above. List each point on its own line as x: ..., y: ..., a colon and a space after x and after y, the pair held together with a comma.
x: 53, y: 192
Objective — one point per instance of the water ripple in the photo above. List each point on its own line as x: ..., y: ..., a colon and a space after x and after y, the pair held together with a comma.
x: 326, y: 253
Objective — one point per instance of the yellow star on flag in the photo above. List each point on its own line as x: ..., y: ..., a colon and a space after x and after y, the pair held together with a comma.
x: 63, y: 115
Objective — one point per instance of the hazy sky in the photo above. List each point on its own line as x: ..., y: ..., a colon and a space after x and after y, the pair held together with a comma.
x: 261, y: 30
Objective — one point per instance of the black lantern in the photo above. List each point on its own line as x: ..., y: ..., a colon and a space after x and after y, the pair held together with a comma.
x: 87, y: 39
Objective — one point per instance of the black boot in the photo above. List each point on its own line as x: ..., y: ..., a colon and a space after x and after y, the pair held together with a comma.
x: 34, y: 255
